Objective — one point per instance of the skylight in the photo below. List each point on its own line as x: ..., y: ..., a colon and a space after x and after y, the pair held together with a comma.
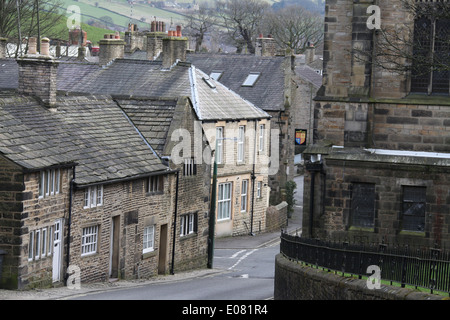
x: 210, y: 83
x: 251, y: 79
x: 216, y: 75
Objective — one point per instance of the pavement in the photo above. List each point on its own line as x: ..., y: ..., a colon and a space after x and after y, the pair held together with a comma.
x: 246, y: 241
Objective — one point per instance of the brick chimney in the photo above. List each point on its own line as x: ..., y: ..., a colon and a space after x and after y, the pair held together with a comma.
x: 3, y: 42
x: 111, y: 47
x: 174, y: 48
x: 37, y: 73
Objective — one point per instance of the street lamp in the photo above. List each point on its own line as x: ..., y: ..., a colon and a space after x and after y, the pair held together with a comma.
x: 212, y: 213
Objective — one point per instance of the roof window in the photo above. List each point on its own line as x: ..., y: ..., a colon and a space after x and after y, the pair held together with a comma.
x: 216, y: 75
x: 251, y: 79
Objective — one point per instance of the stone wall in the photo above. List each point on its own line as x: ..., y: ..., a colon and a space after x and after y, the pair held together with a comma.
x: 276, y: 217
x: 11, y: 194
x: 294, y: 281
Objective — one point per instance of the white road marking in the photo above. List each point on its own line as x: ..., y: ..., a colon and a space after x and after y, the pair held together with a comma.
x: 242, y: 258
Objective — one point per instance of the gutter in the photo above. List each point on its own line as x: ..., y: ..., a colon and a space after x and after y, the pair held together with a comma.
x: 175, y: 224
x: 69, y: 223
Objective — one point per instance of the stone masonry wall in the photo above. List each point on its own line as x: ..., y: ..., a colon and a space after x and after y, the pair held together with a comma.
x: 136, y: 209
x: 294, y: 281
x: 11, y: 194
x: 332, y: 218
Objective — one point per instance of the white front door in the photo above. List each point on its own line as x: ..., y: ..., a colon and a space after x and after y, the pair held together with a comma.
x: 57, y: 239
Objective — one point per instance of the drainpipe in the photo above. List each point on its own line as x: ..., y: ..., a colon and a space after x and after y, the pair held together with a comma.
x: 253, y: 182
x: 175, y: 224
x: 69, y: 223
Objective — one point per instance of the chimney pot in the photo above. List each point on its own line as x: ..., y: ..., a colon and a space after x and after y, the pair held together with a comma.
x: 32, y: 44
x: 45, y: 46
x: 178, y: 31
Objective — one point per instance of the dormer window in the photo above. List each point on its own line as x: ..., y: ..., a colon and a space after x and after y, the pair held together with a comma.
x: 251, y: 79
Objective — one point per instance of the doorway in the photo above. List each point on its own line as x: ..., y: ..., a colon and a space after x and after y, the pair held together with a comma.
x: 115, y: 233
x: 162, y: 250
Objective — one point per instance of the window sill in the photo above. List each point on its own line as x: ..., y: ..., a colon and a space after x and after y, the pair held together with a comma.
x: 149, y: 254
x: 412, y: 233
x: 361, y: 229
x: 188, y: 236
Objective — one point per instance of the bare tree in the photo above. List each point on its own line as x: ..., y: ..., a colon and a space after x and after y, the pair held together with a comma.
x: 199, y: 23
x: 243, y: 20
x: 35, y: 17
x: 294, y: 27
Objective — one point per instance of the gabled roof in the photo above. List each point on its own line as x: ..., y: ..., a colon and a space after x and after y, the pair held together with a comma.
x: 266, y: 93
x: 309, y: 74
x: 89, y: 130
x: 152, y: 117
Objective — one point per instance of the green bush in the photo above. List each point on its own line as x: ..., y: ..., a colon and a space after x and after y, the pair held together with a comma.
x: 290, y: 187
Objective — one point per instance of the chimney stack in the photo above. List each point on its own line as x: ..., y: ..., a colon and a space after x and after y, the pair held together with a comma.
x: 37, y: 73
x: 174, y: 48
x: 310, y: 53
x: 3, y: 42
x: 266, y: 46
x: 111, y: 47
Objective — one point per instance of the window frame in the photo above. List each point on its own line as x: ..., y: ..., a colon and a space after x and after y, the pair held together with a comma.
x: 222, y: 201
x: 188, y: 224
x: 150, y: 184
x: 241, y: 145
x: 190, y: 167
x: 244, y: 195
x: 91, y: 197
x: 362, y: 215
x: 89, y: 247
x: 409, y: 203
x: 146, y: 248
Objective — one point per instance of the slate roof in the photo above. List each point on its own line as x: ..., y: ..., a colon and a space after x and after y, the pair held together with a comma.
x: 309, y: 74
x: 90, y: 130
x: 268, y: 91
x: 9, y: 74
x: 142, y: 78
x: 152, y: 117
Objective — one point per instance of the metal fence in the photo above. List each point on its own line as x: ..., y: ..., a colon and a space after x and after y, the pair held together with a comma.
x: 419, y: 267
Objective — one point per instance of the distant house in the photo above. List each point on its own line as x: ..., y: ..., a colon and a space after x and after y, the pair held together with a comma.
x: 83, y: 186
x: 266, y: 82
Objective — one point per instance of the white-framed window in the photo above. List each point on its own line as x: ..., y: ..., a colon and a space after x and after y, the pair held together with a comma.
x: 216, y: 75
x: 50, y: 241
x: 93, y: 197
x: 224, y: 201
x: 219, y: 151
x: 190, y: 168
x: 49, y: 182
x: 187, y: 224
x: 259, y: 189
x: 37, y: 250
x: 262, y: 129
x: 89, y: 240
x: 44, y: 242
x: 149, y: 239
x: 241, y: 144
x: 31, y: 246
x: 155, y: 184
x: 244, y: 195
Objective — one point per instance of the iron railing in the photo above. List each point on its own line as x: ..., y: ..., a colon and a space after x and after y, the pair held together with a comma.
x: 419, y: 267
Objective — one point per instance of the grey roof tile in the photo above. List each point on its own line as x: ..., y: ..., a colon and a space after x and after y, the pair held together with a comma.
x: 91, y: 131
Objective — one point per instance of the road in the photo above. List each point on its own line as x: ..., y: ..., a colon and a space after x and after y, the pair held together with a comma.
x: 246, y: 274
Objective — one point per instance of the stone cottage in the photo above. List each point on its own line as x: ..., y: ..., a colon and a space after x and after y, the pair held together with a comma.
x: 379, y: 166
x: 83, y: 187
